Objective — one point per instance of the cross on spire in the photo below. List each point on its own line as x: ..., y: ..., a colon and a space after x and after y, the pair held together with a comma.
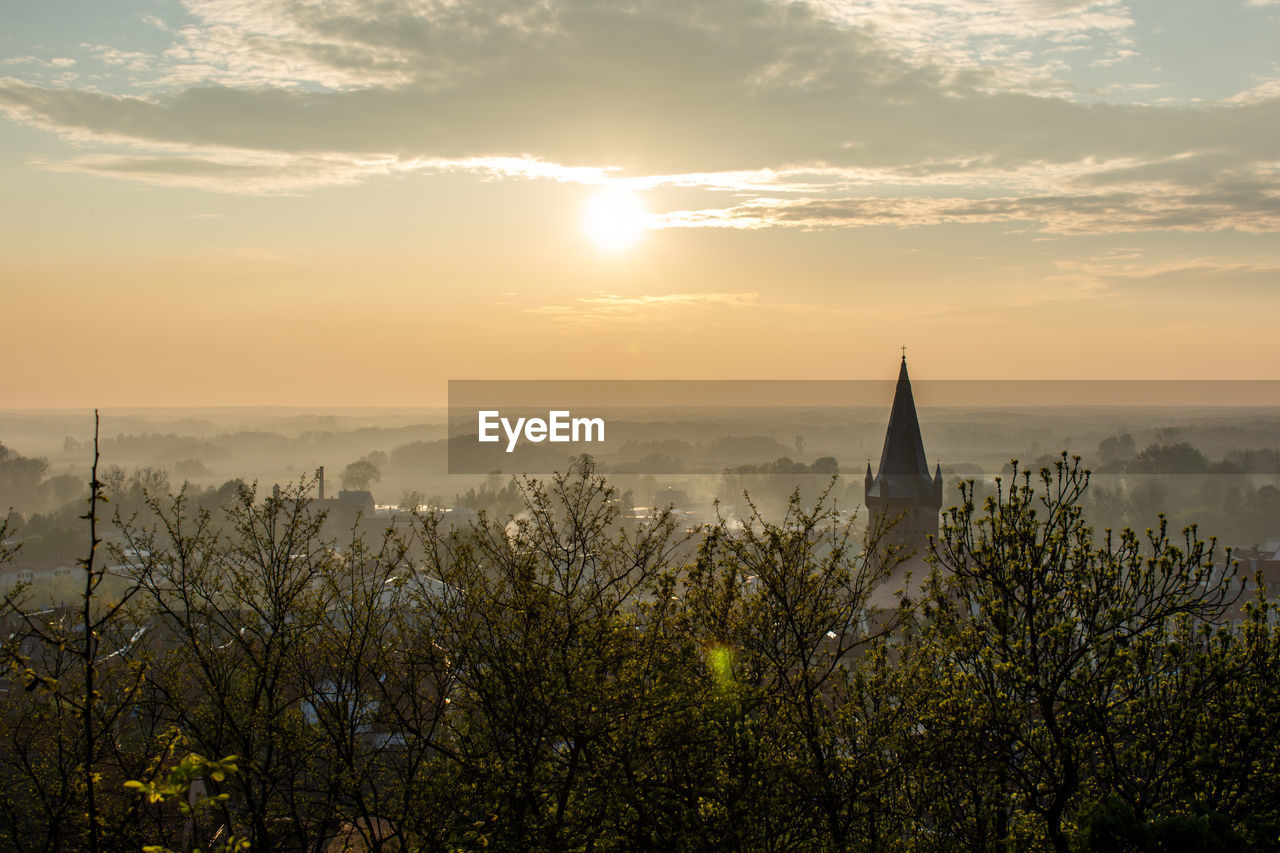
x: 904, y: 355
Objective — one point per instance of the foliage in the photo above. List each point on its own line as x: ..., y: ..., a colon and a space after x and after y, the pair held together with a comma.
x: 563, y: 677
x: 771, y: 484
x: 185, y: 786
x: 360, y: 475
x: 1177, y: 458
x: 1049, y: 633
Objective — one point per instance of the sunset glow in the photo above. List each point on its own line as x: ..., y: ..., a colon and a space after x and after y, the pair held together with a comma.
x: 628, y: 190
x: 614, y: 220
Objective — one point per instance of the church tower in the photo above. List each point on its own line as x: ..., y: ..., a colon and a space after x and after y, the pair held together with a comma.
x: 903, y: 488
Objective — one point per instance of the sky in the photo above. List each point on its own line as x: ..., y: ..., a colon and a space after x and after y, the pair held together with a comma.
x: 350, y: 202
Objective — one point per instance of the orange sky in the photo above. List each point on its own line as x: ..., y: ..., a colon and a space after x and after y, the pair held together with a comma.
x: 195, y: 214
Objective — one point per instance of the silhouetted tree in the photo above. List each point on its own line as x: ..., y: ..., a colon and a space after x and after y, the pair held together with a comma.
x: 1038, y: 620
x: 360, y: 475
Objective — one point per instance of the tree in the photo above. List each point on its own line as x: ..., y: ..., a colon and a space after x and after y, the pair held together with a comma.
x: 1174, y: 458
x: 182, y: 787
x: 565, y: 677
x: 1038, y: 620
x: 825, y: 466
x: 566, y: 722
x: 360, y: 475
x: 20, y: 478
x: 72, y: 680
x: 784, y: 610
x: 240, y: 609
x: 1115, y: 450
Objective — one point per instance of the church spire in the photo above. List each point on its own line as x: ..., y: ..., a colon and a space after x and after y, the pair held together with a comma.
x: 903, y: 453
x: 904, y: 488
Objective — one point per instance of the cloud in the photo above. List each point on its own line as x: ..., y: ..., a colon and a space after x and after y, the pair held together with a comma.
x: 613, y: 307
x: 1245, y: 208
x: 693, y: 131
x: 650, y: 86
x: 229, y: 170
x: 259, y: 173
x: 374, y: 42
x: 129, y: 60
x: 831, y: 113
x: 611, y: 300
x: 1134, y: 272
x: 1265, y: 90
x: 55, y: 62
x: 998, y: 44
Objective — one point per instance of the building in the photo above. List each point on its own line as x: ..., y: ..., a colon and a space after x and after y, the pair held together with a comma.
x: 344, y: 511
x: 1257, y: 565
x: 903, y: 492
x: 903, y: 498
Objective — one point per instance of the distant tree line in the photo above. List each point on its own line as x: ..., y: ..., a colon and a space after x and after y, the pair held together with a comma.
x: 24, y: 481
x: 1237, y: 496
x: 1170, y: 455
x: 55, y: 537
x: 771, y: 484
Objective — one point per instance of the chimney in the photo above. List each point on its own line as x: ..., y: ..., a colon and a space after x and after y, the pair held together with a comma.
x: 320, y: 475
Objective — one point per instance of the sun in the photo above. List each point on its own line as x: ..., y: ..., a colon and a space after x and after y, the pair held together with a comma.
x: 615, y: 220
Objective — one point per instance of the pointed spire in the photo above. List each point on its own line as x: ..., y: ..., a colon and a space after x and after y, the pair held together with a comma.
x: 903, y: 490
x: 903, y: 446
x: 904, y: 469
